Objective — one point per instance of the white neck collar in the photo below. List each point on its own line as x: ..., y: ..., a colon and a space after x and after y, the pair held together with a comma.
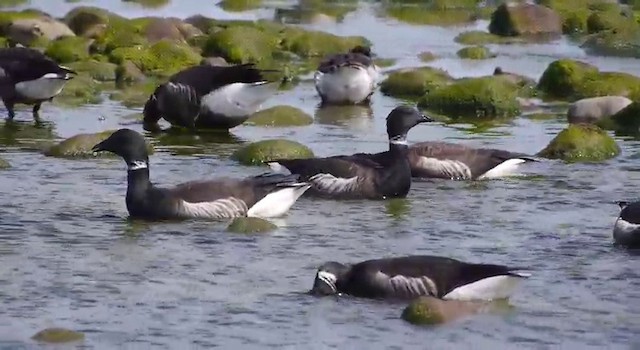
x: 137, y: 165
x: 399, y: 140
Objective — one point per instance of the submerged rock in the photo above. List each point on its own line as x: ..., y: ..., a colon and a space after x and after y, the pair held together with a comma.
x: 433, y: 311
x: 79, y: 146
x: 478, y: 37
x: 595, y: 109
x: 280, y: 116
x: 248, y: 225
x: 524, y: 19
x: 475, y: 53
x: 414, y: 82
x: 484, y: 97
x: 4, y: 164
x: 259, y: 152
x: 58, y: 335
x: 581, y: 143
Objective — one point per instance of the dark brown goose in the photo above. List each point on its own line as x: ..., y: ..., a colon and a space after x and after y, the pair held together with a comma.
x: 626, y: 231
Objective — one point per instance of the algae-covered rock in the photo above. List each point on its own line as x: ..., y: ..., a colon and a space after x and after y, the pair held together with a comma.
x: 69, y: 49
x: 427, y: 56
x: 128, y: 72
x: 280, y: 116
x: 478, y: 37
x: 484, y: 97
x: 57, y: 335
x: 37, y: 30
x: 475, y: 53
x: 149, y: 3
x: 576, y: 13
x: 620, y: 42
x: 430, y: 311
x: 259, y: 152
x: 428, y: 15
x: 163, y: 58
x: 79, y: 146
x: 12, y: 3
x: 88, y: 21
x: 239, y: 5
x: 80, y: 90
x: 8, y: 17
x: 134, y: 95
x: 309, y: 43
x: 98, y: 70
x: 241, y: 44
x: 562, y: 77
x: 248, y: 225
x: 511, y: 19
x: 414, y: 83
x: 581, y: 143
x: 4, y: 164
x: 155, y: 29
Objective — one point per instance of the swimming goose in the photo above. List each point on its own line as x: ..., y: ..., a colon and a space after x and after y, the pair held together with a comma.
x: 409, y: 277
x: 359, y: 176
x: 626, y: 231
x: 347, y: 78
x: 206, y: 96
x: 27, y: 76
x: 266, y: 195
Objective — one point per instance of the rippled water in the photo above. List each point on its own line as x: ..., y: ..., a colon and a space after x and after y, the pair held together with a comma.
x: 70, y: 258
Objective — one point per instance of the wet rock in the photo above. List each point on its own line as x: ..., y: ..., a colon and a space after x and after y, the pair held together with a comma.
x: 620, y: 42
x: 239, y: 5
x: 88, y: 21
x: 484, y: 97
x: 128, y: 72
x: 29, y: 31
x: 215, y: 61
x: 58, y: 335
x: 82, y: 89
x: 478, y: 37
x: 575, y: 14
x: 259, y: 152
x: 249, y: 225
x: 524, y: 19
x: 427, y: 15
x: 149, y: 3
x: 4, y: 164
x: 432, y: 311
x: 241, y: 44
x: 79, y: 146
x: 581, y: 143
x: 280, y: 116
x: 309, y: 43
x: 516, y: 79
x: 8, y: 17
x: 414, y: 82
x: 625, y: 122
x: 475, y: 53
x: 427, y: 56
x: 172, y: 29
x: 163, y: 58
x: 135, y: 95
x: 69, y: 49
x: 98, y: 70
x: 595, y: 109
x: 120, y: 32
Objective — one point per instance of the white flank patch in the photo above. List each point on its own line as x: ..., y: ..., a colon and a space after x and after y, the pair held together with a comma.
x: 506, y: 168
x: 330, y: 184
x: 278, y: 202
x: 239, y: 99
x: 409, y: 287
x: 222, y: 208
x: 329, y: 279
x: 624, y: 229
x: 278, y: 168
x: 41, y: 89
x: 453, y: 169
x: 347, y: 84
x: 491, y: 288
x: 137, y: 165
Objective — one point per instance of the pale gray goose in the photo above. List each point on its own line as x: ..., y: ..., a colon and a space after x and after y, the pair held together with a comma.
x: 359, y: 176
x: 408, y: 277
x: 626, y: 231
x: 266, y: 195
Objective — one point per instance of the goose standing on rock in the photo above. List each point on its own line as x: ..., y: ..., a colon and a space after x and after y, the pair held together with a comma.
x: 626, y: 231
x: 266, y: 195
x: 27, y: 76
x: 212, y: 97
x: 347, y: 78
x: 360, y: 176
x: 409, y: 277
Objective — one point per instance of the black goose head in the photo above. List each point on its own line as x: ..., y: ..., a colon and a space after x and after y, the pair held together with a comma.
x: 401, y: 120
x: 363, y: 50
x: 328, y: 277
x: 129, y: 145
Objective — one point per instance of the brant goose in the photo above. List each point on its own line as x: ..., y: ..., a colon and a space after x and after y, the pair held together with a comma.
x: 206, y: 96
x: 27, y: 76
x: 626, y: 231
x: 360, y: 176
x: 408, y: 277
x: 266, y: 195
x: 347, y: 78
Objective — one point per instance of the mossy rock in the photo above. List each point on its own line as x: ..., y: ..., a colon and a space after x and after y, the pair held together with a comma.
x: 68, y: 49
x: 524, y: 19
x: 280, y: 116
x: 310, y: 43
x: 478, y: 37
x: 605, y: 20
x: 484, y: 97
x: 4, y: 164
x: 581, y: 143
x: 562, y: 77
x: 163, y: 58
x: 12, y: 3
x: 619, y: 42
x: 135, y: 95
x: 79, y: 146
x: 98, y: 70
x: 89, y: 21
x: 427, y: 56
x: 575, y: 14
x: 414, y: 83
x: 427, y: 15
x: 57, y: 335
x: 239, y: 44
x: 249, y: 225
x: 149, y: 3
x: 239, y: 5
x: 475, y: 53
x: 120, y: 33
x: 262, y: 151
x: 7, y: 17
x: 82, y: 89
x: 430, y: 311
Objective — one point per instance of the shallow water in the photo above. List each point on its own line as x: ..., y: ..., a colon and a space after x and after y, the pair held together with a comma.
x: 70, y: 258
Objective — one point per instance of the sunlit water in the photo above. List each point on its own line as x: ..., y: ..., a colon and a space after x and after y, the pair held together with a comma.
x: 70, y: 258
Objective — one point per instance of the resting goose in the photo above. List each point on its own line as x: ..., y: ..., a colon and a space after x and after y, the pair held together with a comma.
x: 347, y: 78
x: 27, y: 76
x: 626, y: 231
x: 212, y: 97
x: 360, y: 176
x: 409, y: 277
x: 266, y: 195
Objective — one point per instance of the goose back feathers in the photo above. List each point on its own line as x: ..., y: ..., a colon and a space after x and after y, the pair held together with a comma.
x: 626, y: 231
x: 206, y: 96
x: 419, y: 275
x: 266, y: 195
